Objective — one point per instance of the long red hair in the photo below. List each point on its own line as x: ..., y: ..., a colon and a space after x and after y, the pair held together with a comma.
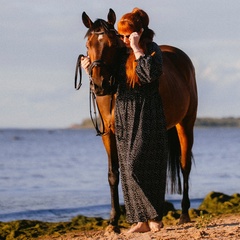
x: 134, y: 22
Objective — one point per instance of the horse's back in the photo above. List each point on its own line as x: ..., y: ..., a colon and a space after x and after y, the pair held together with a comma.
x: 178, y: 86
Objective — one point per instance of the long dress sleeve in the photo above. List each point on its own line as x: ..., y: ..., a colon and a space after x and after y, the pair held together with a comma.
x: 149, y: 67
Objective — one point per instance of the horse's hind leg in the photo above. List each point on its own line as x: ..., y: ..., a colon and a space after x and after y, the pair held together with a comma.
x: 185, y: 134
x: 113, y: 179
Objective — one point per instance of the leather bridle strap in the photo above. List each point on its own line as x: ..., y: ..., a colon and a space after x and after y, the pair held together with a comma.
x: 96, y: 63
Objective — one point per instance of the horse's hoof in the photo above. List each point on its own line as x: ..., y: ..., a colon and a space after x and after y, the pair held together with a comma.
x: 184, y: 218
x: 112, y: 229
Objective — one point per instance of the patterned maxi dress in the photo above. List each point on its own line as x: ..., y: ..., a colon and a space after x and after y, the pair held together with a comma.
x: 142, y: 139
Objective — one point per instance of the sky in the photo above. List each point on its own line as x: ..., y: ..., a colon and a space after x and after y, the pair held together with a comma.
x: 41, y: 40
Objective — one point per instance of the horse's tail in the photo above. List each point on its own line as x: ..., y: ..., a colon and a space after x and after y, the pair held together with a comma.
x: 174, y: 157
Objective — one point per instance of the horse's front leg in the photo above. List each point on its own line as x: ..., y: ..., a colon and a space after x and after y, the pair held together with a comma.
x: 106, y: 106
x: 113, y: 179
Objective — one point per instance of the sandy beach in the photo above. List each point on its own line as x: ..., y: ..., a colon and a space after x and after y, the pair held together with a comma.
x: 226, y: 226
x: 218, y: 217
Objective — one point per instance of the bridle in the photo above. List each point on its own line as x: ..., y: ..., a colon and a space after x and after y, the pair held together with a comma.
x: 92, y: 95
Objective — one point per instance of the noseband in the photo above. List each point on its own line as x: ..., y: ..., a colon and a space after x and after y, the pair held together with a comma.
x: 111, y: 81
x: 96, y: 63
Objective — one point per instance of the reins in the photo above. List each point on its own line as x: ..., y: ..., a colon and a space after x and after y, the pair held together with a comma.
x: 93, y: 102
x: 92, y: 95
x: 78, y: 69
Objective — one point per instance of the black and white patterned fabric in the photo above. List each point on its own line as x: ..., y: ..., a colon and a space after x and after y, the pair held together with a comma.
x: 142, y: 139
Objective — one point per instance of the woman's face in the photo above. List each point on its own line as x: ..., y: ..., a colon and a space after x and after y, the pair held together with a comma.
x: 125, y: 37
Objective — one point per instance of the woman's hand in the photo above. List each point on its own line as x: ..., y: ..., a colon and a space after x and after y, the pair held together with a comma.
x: 134, y: 43
x: 85, y: 63
x: 134, y: 39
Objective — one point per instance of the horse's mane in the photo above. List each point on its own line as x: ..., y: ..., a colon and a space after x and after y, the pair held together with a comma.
x: 98, y: 25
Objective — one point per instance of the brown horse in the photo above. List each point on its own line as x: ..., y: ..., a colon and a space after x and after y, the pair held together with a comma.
x: 179, y: 95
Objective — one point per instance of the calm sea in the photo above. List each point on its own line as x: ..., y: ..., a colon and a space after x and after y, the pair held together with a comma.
x: 54, y: 175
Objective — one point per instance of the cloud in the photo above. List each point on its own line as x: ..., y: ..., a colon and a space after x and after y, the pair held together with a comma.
x: 40, y: 42
x: 218, y: 89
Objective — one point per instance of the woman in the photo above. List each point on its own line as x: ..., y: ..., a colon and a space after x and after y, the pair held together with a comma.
x: 140, y: 124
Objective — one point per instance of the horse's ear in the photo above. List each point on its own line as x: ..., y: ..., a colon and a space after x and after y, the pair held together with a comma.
x: 86, y: 20
x: 111, y: 17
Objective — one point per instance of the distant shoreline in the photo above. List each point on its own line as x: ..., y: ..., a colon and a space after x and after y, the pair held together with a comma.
x: 200, y: 122
x: 218, y: 122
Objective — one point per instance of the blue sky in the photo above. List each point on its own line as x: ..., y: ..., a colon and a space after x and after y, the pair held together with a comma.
x: 40, y: 42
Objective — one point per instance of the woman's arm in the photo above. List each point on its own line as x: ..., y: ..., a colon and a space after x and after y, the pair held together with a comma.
x: 149, y: 67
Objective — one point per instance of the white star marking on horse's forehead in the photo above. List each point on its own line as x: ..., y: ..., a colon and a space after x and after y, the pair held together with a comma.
x: 100, y: 37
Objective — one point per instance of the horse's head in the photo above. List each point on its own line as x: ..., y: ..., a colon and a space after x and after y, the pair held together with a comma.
x: 102, y: 44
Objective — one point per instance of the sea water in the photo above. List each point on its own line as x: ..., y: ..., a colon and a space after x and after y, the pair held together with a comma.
x: 56, y: 174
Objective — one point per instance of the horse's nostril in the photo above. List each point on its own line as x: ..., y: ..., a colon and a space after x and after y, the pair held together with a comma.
x: 105, y: 84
